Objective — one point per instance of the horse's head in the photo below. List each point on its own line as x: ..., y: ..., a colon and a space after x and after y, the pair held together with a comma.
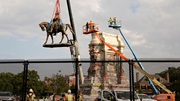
x: 43, y: 25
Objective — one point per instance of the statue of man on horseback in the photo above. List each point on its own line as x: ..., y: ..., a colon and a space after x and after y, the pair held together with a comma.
x: 63, y: 27
x: 56, y: 26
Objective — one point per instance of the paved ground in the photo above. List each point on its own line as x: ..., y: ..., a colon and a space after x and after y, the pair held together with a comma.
x: 89, y: 98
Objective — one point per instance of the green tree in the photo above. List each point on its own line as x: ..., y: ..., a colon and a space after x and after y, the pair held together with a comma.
x: 56, y: 84
x: 73, y: 88
x: 174, y: 75
x: 6, y: 81
x: 34, y: 82
x: 18, y: 83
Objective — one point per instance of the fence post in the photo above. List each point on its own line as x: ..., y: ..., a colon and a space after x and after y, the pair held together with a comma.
x: 131, y: 80
x: 26, y: 63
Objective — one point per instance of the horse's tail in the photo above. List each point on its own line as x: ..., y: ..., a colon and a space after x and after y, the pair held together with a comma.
x: 70, y: 28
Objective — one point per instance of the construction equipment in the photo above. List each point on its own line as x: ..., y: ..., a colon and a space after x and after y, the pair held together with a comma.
x: 79, y: 73
x: 170, y: 94
x: 73, y: 45
x: 118, y: 26
x: 73, y: 42
x: 127, y: 59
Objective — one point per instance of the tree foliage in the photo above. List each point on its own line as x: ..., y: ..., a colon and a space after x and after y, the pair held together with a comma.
x: 56, y: 84
x: 34, y: 82
x: 14, y: 83
x: 174, y: 76
x: 6, y: 81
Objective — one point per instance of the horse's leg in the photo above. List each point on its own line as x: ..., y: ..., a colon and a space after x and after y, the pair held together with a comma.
x: 64, y: 33
x: 46, y: 38
x: 70, y: 28
x: 67, y: 38
x: 52, y: 38
x: 62, y: 37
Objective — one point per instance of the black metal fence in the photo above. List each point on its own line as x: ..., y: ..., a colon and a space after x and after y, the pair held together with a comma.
x: 23, y: 65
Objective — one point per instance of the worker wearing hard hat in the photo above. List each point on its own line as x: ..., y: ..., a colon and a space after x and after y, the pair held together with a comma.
x: 30, y: 95
x: 69, y: 96
x: 91, y: 26
x: 110, y: 21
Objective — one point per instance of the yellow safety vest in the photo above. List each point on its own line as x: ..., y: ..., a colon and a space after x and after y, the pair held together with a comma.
x: 69, y: 97
x: 30, y: 97
x: 80, y: 98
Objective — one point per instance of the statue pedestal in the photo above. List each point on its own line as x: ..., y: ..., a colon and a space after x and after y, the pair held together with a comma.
x: 57, y: 45
x: 105, y: 75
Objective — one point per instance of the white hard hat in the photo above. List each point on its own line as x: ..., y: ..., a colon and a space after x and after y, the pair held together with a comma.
x: 69, y: 91
x: 30, y: 90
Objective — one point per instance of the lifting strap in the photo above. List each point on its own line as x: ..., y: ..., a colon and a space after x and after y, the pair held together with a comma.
x: 56, y: 9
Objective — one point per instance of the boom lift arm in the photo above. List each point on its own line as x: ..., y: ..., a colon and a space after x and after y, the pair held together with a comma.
x: 140, y: 65
x: 136, y: 66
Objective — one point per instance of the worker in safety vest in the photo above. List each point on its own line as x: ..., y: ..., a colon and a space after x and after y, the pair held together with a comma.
x: 55, y: 24
x: 80, y: 96
x: 69, y: 96
x: 110, y: 21
x: 114, y: 19
x: 30, y: 95
x: 91, y: 25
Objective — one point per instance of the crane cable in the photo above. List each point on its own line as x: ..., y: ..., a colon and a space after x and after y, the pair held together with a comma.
x: 56, y: 9
x: 134, y: 65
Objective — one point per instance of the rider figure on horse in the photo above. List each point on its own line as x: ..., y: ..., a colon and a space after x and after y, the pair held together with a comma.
x: 55, y: 24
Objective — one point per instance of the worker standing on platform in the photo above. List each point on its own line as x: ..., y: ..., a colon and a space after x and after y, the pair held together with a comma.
x: 69, y: 96
x: 114, y: 19
x: 87, y: 26
x: 91, y: 25
x: 110, y: 21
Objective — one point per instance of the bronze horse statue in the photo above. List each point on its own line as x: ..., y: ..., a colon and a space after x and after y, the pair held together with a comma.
x: 62, y: 28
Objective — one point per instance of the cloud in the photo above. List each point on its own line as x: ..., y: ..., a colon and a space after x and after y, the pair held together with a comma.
x: 135, y: 38
x: 151, y: 27
x: 86, y: 5
x: 134, y: 6
x: 148, y: 25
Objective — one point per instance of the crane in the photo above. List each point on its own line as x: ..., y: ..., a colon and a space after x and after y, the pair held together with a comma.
x: 73, y: 45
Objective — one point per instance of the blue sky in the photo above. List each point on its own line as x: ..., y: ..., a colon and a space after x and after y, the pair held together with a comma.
x: 151, y: 27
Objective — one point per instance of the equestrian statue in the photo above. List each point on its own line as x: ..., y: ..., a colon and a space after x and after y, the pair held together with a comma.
x: 57, y: 26
x: 56, y: 29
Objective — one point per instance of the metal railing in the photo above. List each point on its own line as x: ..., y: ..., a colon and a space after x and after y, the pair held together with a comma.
x: 130, y: 62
